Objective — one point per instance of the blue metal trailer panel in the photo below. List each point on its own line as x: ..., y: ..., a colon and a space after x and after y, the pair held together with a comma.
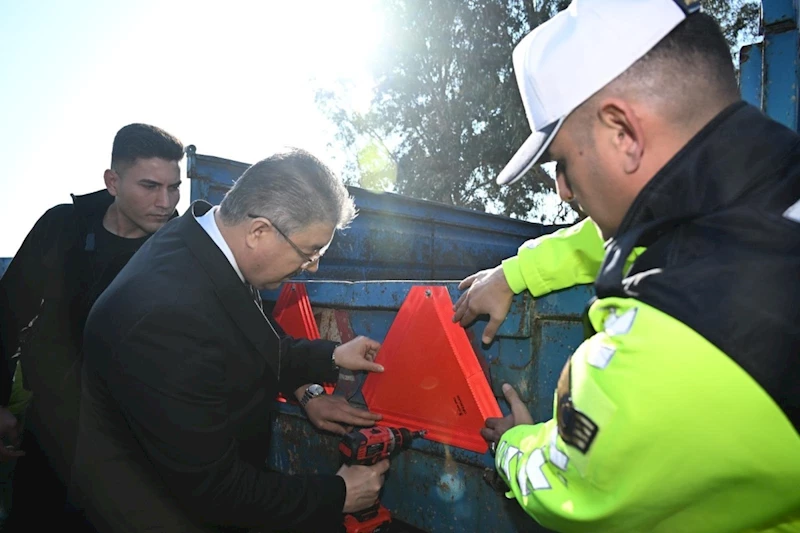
x: 750, y: 68
x: 770, y: 70
x: 777, y: 11
x: 781, y: 75
x: 394, y: 237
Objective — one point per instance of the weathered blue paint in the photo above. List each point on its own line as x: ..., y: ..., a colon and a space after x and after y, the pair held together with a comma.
x: 770, y: 70
x: 750, y: 68
x: 435, y: 487
x: 778, y: 11
x: 782, y: 76
x: 393, y: 237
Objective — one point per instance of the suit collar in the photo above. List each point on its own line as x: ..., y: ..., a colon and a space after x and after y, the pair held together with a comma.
x: 234, y: 295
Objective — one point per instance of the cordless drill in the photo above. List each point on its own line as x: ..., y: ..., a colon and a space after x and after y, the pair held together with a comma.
x: 366, y: 447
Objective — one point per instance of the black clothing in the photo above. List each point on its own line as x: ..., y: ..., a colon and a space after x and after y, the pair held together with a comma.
x: 181, y: 370
x: 723, y: 256
x: 63, y: 265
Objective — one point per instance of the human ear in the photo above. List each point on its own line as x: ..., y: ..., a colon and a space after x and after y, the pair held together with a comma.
x: 258, y: 229
x: 624, y: 127
x: 111, y: 179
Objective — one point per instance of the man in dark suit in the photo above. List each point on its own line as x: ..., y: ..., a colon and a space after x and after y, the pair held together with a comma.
x: 182, y: 367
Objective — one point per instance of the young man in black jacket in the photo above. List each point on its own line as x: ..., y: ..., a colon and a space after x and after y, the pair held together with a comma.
x: 67, y: 260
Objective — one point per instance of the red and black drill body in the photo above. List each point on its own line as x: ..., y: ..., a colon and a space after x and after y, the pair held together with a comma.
x: 366, y: 447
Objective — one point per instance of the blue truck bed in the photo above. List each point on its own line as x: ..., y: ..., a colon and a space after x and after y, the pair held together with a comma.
x: 395, y: 244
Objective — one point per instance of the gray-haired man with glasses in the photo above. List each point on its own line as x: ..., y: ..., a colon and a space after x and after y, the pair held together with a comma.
x: 181, y: 368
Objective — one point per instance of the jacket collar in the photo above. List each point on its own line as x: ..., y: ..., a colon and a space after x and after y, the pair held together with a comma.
x: 737, y: 151
x: 87, y: 205
x: 234, y: 295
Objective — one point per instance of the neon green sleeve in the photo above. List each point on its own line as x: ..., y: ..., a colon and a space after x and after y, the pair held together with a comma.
x: 568, y: 257
x: 655, y: 430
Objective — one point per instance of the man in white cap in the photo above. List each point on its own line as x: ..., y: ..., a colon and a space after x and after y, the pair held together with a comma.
x: 681, y: 411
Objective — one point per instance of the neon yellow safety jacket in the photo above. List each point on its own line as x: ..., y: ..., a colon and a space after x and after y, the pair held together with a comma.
x: 680, y: 414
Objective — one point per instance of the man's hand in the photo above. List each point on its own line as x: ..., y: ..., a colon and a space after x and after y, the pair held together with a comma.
x: 363, y: 485
x: 9, y: 431
x: 334, y: 414
x: 495, y: 427
x: 358, y: 354
x: 487, y: 293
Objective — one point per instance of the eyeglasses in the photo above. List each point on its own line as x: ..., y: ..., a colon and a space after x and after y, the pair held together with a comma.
x: 309, y: 259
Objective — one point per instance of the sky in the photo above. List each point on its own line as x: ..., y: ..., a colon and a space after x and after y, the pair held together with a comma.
x: 234, y: 78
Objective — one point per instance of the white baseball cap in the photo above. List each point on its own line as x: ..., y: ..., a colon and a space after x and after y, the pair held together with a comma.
x: 563, y: 62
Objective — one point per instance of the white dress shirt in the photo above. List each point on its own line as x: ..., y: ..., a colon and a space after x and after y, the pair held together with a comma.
x: 209, y: 223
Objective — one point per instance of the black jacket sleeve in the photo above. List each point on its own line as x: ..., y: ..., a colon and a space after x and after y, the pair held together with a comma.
x: 304, y: 361
x: 169, y: 379
x: 22, y: 284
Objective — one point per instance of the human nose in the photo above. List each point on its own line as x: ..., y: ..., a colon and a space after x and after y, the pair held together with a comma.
x: 312, y: 267
x: 162, y: 198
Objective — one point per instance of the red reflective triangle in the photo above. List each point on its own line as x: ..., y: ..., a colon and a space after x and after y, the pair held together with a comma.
x: 293, y: 312
x: 432, y: 379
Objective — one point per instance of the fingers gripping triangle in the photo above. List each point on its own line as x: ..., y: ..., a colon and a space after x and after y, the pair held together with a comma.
x: 432, y: 378
x: 294, y: 315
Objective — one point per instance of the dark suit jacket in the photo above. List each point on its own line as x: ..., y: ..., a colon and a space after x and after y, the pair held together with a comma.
x: 181, y: 370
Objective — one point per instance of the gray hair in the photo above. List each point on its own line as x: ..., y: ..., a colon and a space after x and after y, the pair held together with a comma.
x: 293, y: 189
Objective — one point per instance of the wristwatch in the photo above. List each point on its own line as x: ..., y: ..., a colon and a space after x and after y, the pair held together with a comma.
x: 311, y: 392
